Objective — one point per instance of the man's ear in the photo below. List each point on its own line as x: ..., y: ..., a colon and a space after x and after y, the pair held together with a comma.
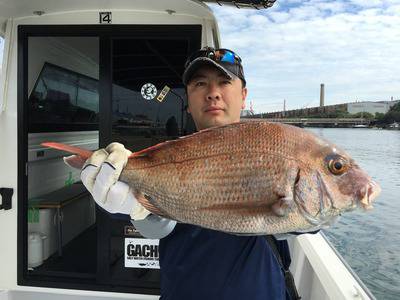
x: 244, y: 95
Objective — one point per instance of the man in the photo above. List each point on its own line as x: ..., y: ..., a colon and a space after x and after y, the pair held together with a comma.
x: 196, y: 263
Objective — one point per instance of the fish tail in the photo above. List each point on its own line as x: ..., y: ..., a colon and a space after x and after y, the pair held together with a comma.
x: 68, y: 148
x: 77, y: 160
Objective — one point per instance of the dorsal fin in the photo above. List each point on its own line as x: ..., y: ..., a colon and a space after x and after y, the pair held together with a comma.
x: 147, y: 151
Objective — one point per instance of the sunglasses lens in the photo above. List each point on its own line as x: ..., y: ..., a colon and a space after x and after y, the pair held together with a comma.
x: 228, y: 57
x: 222, y: 55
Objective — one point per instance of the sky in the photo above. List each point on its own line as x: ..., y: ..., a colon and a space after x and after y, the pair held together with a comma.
x: 352, y: 46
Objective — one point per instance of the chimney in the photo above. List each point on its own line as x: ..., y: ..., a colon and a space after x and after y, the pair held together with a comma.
x: 284, y: 107
x: 322, y: 96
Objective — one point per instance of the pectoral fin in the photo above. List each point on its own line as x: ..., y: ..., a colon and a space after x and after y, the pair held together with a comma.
x: 146, y: 202
x: 285, y: 193
x: 282, y: 206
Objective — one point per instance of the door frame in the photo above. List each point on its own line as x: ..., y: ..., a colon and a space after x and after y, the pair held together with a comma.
x: 101, y: 281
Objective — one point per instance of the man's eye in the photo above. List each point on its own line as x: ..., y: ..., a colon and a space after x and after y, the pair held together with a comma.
x: 226, y: 82
x: 200, y: 83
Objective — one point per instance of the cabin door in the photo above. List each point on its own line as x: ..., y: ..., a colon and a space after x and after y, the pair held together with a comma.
x: 89, y: 86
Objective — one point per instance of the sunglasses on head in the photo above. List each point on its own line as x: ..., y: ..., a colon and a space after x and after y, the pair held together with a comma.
x: 218, y: 55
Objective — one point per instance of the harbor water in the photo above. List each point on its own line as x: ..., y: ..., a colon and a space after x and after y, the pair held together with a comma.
x: 370, y: 242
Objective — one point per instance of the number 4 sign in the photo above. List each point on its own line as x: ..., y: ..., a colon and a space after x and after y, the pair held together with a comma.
x: 105, y: 17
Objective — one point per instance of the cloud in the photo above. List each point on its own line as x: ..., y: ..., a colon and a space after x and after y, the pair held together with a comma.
x: 290, y: 49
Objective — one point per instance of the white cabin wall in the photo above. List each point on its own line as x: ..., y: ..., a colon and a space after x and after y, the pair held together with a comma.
x: 126, y: 16
x: 8, y: 174
x: 4, y: 74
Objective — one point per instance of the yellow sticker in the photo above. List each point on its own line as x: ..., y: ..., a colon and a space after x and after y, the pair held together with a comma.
x: 163, y: 93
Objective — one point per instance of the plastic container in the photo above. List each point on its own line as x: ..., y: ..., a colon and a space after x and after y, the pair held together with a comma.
x: 47, y: 226
x: 35, y: 249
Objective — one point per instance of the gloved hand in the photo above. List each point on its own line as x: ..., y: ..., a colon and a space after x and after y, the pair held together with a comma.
x: 100, y: 175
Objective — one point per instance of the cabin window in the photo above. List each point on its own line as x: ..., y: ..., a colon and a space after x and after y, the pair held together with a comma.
x: 63, y: 100
x: 62, y: 106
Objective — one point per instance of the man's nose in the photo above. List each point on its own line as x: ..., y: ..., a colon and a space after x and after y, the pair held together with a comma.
x: 213, y: 93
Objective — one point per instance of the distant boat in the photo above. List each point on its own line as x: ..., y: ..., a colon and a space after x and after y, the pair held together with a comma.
x: 360, y: 126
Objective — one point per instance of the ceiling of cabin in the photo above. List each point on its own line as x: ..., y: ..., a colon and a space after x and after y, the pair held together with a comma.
x: 24, y: 8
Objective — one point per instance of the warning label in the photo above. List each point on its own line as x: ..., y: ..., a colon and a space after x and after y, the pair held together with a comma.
x: 141, y: 253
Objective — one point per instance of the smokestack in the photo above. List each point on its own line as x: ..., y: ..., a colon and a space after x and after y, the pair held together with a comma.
x: 322, y: 96
x: 284, y: 107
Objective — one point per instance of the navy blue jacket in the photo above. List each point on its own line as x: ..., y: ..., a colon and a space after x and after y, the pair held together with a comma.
x: 204, y: 264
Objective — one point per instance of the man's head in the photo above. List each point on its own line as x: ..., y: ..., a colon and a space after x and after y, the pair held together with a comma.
x: 215, y: 87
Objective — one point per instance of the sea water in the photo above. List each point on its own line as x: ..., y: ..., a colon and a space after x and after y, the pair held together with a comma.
x: 370, y: 242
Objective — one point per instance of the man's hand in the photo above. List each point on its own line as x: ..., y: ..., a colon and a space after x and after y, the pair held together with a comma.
x: 100, y: 176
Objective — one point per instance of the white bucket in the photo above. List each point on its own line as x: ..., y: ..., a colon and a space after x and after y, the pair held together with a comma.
x: 35, y: 249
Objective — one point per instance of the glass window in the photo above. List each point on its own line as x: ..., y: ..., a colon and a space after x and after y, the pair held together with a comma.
x: 142, y: 68
x: 63, y: 100
x: 63, y: 106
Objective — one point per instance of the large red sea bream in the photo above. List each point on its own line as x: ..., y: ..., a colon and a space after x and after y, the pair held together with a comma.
x: 246, y: 178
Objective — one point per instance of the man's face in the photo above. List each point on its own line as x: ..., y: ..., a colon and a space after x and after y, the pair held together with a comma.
x: 214, y: 99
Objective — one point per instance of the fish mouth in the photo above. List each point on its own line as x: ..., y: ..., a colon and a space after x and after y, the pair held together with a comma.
x: 368, y: 194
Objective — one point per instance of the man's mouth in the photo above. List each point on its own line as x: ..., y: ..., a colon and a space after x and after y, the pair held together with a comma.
x: 212, y: 108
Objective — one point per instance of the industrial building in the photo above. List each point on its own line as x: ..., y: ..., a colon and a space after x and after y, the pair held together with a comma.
x: 332, y: 110
x: 370, y: 107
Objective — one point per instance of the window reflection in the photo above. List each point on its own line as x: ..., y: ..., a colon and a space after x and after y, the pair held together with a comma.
x: 63, y: 100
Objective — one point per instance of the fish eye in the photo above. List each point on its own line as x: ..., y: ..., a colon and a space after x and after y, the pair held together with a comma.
x: 337, y: 166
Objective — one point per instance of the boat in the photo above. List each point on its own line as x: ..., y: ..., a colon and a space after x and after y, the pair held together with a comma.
x: 86, y: 74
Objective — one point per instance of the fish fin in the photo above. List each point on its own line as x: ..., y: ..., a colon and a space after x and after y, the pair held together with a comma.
x: 146, y: 200
x: 84, y: 153
x: 148, y: 151
x: 282, y: 207
x: 74, y: 161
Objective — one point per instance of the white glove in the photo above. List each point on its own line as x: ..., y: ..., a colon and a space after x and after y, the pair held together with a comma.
x: 100, y: 175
